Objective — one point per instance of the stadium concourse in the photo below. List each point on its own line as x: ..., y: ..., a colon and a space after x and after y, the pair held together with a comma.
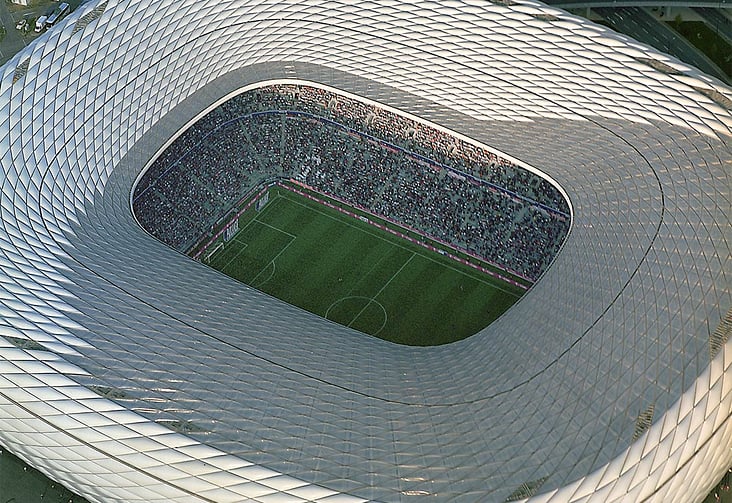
x: 130, y: 372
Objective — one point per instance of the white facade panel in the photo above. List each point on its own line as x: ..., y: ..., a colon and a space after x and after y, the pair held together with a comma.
x: 546, y: 397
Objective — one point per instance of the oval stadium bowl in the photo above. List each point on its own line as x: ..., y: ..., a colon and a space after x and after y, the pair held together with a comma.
x: 132, y: 373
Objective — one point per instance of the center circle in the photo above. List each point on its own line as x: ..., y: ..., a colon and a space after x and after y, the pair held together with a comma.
x: 361, y: 313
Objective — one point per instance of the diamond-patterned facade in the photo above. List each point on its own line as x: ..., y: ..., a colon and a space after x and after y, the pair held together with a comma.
x: 286, y: 406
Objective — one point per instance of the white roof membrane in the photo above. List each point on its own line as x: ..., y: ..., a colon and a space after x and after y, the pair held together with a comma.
x: 162, y: 380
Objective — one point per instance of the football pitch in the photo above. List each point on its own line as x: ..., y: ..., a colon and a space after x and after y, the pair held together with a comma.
x: 360, y: 276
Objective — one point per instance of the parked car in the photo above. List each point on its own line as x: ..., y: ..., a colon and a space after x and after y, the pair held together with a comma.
x: 21, y: 24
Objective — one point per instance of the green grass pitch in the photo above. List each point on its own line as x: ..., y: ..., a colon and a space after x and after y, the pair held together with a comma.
x: 358, y: 275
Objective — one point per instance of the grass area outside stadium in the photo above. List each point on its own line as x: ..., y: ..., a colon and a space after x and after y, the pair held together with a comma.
x: 21, y: 483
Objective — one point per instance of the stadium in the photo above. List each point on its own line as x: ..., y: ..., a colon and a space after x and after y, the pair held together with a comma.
x: 131, y: 372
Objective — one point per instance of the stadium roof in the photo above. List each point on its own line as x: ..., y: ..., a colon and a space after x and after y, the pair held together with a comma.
x: 132, y: 373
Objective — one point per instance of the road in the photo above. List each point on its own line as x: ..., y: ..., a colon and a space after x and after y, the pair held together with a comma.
x: 642, y: 26
x: 717, y: 21
x: 14, y: 40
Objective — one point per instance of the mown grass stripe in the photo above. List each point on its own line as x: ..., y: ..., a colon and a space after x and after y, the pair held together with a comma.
x: 326, y: 262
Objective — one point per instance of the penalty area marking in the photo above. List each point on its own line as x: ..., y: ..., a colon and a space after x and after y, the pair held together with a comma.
x: 256, y: 219
x: 368, y: 300
x: 244, y: 245
x: 269, y: 277
x: 271, y: 262
x: 240, y: 243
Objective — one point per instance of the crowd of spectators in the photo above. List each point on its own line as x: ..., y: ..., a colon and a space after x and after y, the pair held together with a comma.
x: 375, y: 159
